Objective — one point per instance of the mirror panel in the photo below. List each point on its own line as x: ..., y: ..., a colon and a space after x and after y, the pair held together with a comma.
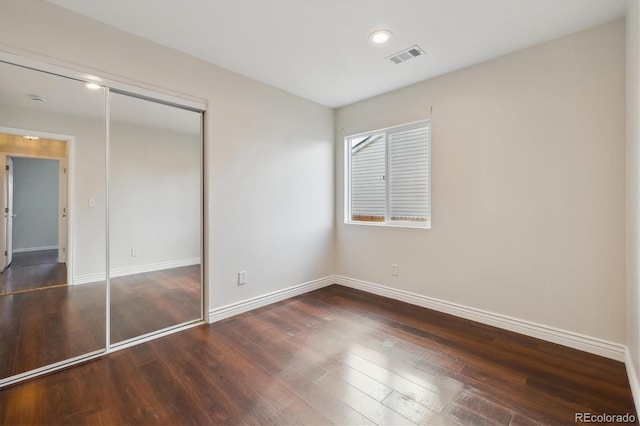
x: 52, y: 284
x: 154, y: 217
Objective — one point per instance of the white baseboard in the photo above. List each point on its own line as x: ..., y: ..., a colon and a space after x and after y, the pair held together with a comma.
x: 571, y: 339
x: 88, y: 278
x: 132, y: 270
x: 217, y: 314
x: 29, y: 249
x: 634, y: 380
x: 551, y: 334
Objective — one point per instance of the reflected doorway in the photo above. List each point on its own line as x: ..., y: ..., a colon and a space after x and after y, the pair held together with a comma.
x: 44, y: 325
x: 34, y: 230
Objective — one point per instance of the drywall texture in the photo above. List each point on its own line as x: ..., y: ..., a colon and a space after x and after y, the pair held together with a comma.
x: 268, y: 154
x: 35, y: 202
x: 633, y: 190
x: 527, y: 186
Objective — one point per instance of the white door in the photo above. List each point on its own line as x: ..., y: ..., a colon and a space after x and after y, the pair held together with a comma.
x: 63, y: 213
x: 9, y: 211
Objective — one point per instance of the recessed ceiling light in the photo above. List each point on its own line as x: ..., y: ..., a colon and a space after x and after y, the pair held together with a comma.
x: 31, y: 138
x: 92, y: 77
x: 380, y: 36
x: 92, y: 86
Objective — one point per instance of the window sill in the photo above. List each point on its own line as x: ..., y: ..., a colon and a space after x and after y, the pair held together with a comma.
x: 391, y: 225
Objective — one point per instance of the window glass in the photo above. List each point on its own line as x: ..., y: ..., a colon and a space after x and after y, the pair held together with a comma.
x: 388, y: 174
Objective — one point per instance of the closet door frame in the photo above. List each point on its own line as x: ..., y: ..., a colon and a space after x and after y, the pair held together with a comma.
x: 181, y: 326
x: 25, y: 60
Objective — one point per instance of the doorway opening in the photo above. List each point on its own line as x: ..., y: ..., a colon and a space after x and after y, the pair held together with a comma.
x: 35, y: 235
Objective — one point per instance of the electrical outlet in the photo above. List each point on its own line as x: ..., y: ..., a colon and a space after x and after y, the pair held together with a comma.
x: 92, y: 202
x: 134, y: 252
x: 395, y: 269
x: 242, y: 277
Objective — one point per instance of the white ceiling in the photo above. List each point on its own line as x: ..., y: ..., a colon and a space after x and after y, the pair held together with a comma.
x: 319, y: 49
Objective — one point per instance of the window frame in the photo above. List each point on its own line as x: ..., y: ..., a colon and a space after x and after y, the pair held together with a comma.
x: 348, y: 176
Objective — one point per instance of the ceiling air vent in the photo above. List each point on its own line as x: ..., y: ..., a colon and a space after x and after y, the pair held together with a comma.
x: 404, y: 55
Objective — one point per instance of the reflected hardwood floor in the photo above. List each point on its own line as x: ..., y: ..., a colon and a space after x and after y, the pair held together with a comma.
x: 143, y: 303
x: 46, y: 326
x: 35, y: 258
x: 334, y: 355
x: 33, y: 270
x: 49, y: 325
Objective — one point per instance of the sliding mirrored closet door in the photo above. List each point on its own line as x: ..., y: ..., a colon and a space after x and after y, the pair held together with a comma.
x: 155, y: 217
x: 100, y: 216
x: 52, y: 224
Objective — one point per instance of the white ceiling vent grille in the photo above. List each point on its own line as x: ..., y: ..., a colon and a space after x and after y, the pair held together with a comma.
x: 404, y: 55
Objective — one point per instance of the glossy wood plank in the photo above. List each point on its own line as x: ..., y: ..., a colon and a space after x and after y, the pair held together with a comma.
x: 144, y: 303
x: 333, y: 356
x: 43, y: 327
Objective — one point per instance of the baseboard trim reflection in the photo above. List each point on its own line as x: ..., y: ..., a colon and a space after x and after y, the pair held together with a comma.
x: 132, y: 270
x: 31, y: 249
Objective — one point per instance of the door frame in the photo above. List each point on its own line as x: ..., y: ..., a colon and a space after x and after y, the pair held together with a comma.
x: 70, y: 187
x: 4, y: 222
x: 9, y: 210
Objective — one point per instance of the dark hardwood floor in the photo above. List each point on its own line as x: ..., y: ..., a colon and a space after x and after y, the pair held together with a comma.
x: 337, y: 356
x: 33, y: 270
x: 44, y: 326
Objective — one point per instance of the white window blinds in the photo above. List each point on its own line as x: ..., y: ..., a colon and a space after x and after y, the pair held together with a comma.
x: 409, y: 175
x: 388, y: 176
x: 368, y: 201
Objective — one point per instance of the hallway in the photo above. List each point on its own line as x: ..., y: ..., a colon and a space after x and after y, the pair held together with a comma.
x: 33, y: 271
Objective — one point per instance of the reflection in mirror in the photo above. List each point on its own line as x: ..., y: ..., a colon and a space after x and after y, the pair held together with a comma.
x: 154, y: 217
x: 52, y: 284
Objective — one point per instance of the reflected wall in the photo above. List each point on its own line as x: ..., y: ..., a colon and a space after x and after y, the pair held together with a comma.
x: 43, y: 319
x: 154, y: 216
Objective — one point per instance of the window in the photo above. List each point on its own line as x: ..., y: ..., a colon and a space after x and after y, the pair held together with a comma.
x: 387, y: 176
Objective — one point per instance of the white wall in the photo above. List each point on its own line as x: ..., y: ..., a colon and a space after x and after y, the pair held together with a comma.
x: 269, y: 154
x: 154, y: 196
x: 35, y: 202
x: 154, y: 187
x: 633, y: 195
x: 528, y: 187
